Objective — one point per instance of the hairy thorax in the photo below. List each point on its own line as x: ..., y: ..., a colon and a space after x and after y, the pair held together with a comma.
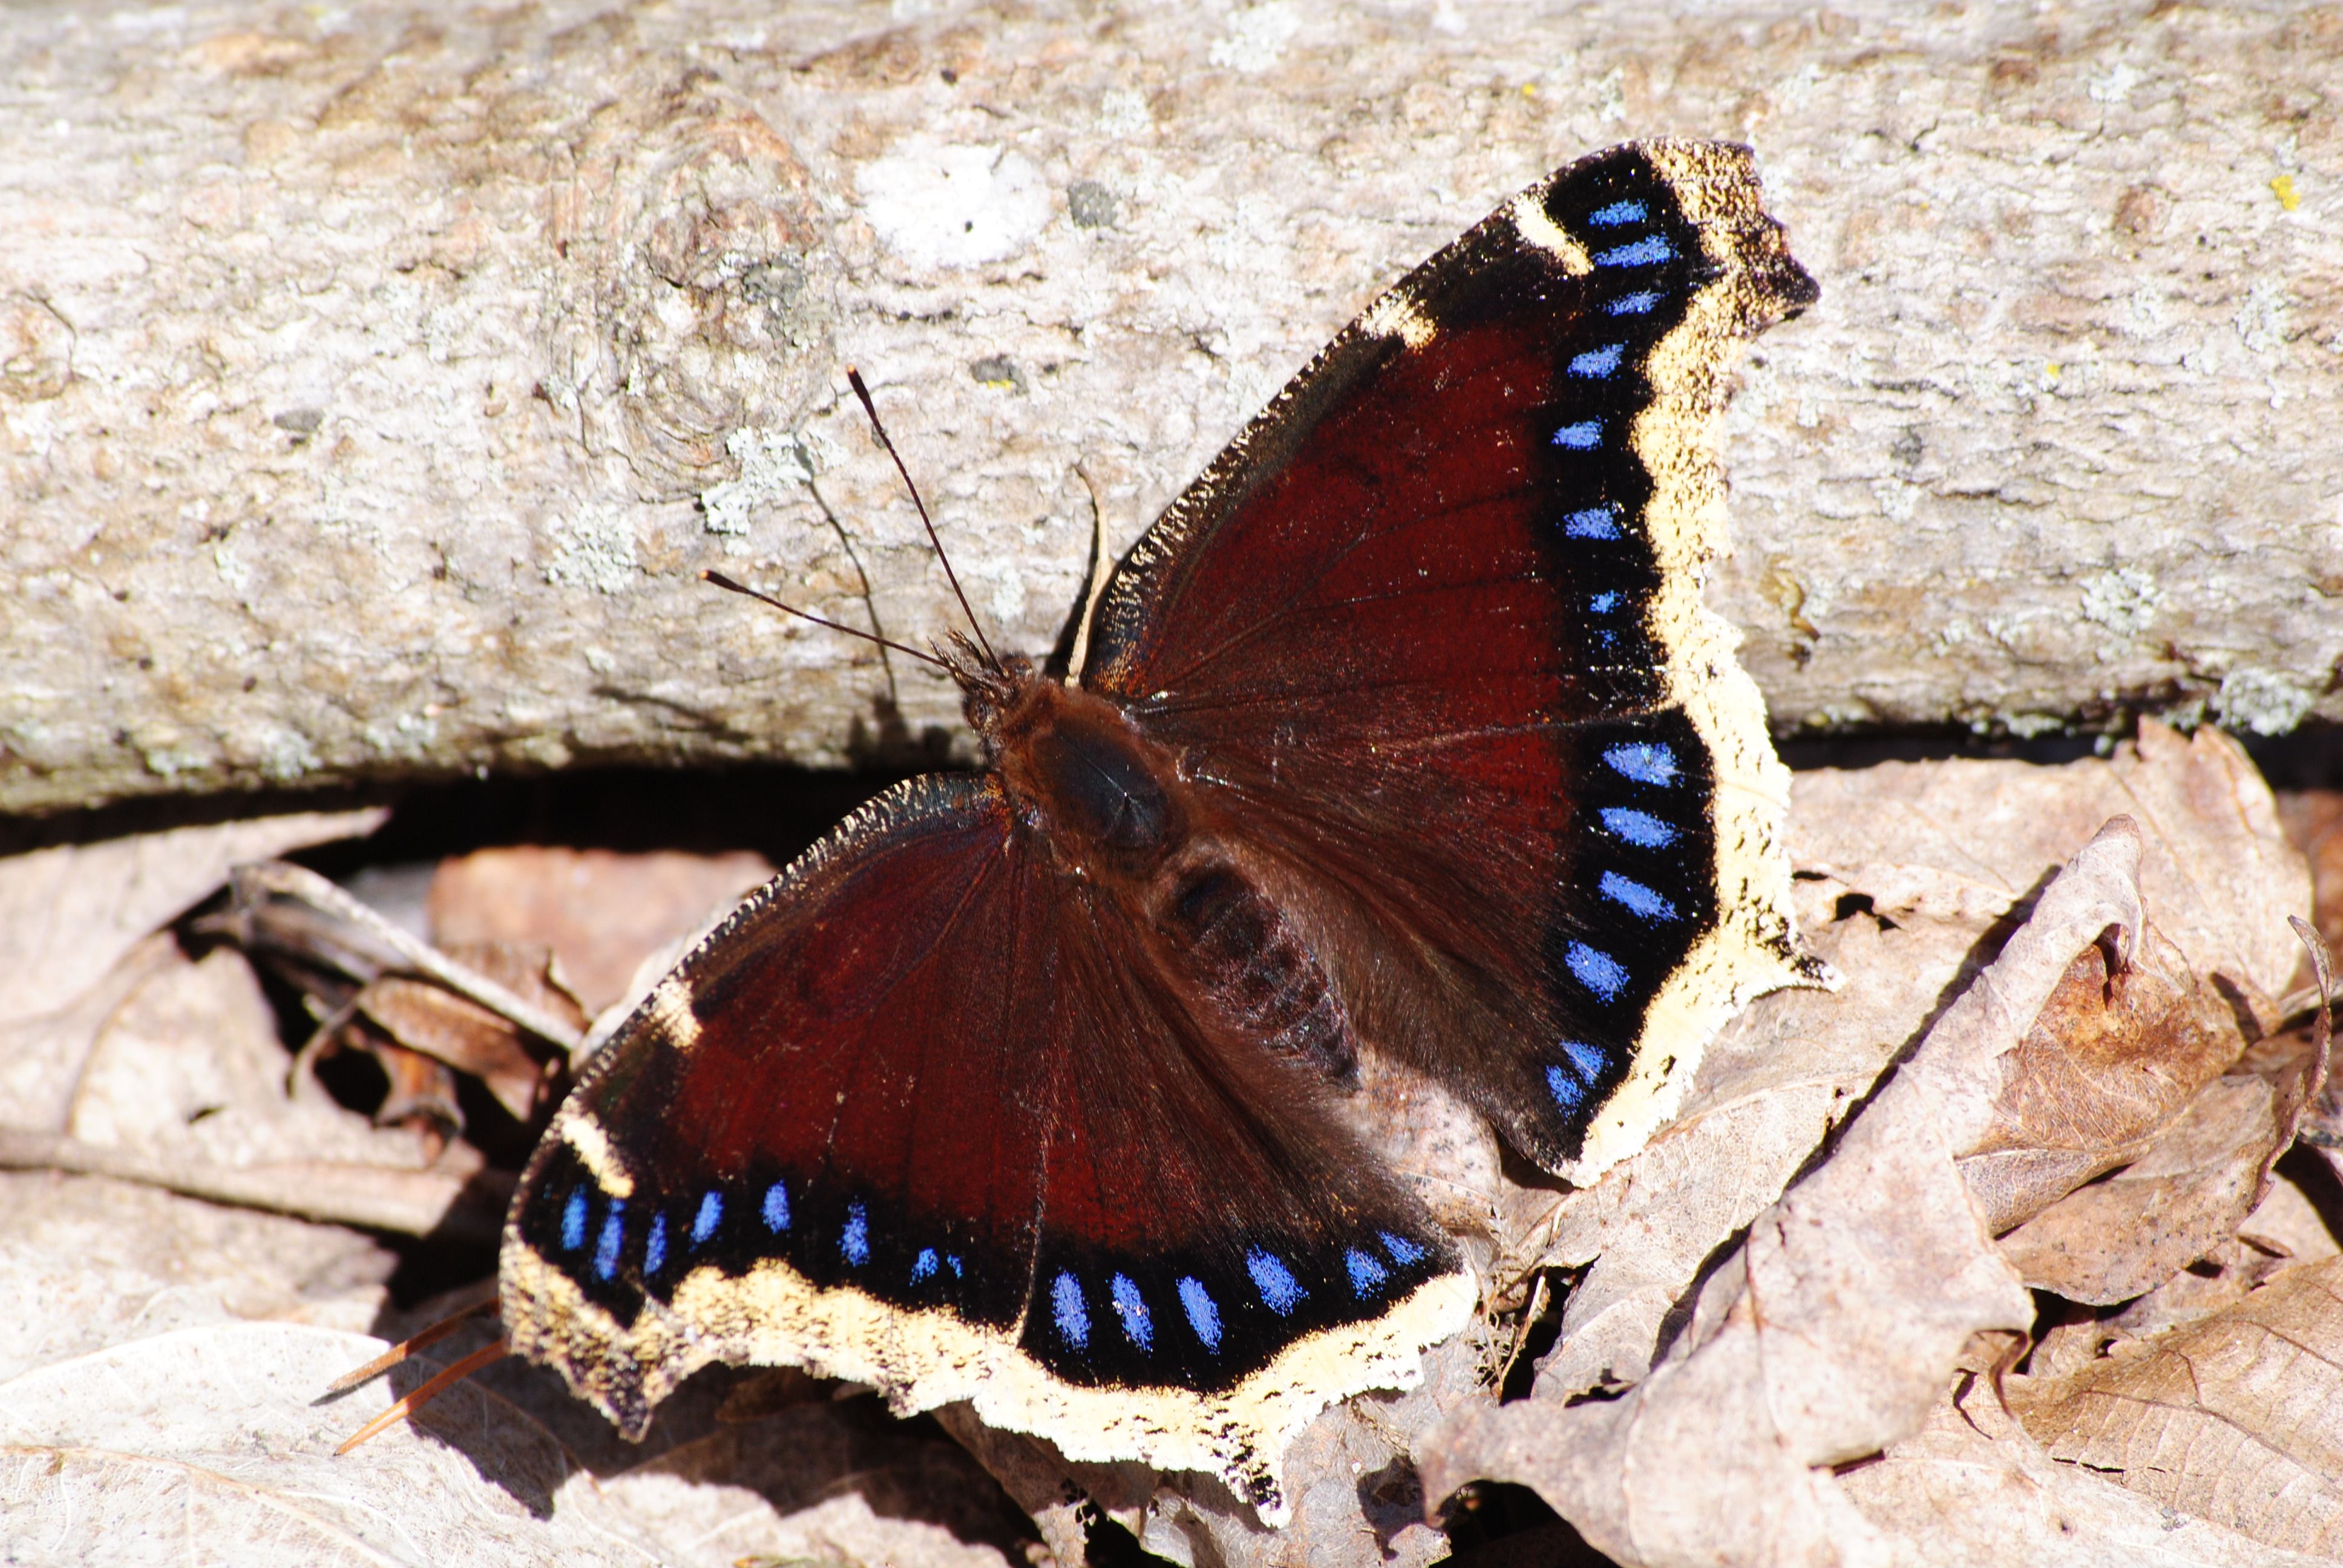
x: 1117, y: 816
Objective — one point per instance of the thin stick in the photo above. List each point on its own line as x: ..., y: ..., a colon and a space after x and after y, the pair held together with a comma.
x: 398, y: 1352
x: 720, y: 580
x: 407, y: 1405
x: 854, y: 379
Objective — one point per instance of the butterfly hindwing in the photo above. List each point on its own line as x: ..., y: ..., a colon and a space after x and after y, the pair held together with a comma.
x: 1432, y: 628
x: 915, y: 1117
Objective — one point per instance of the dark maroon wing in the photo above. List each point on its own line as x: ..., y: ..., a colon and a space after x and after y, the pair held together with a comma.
x: 920, y: 1069
x: 1430, y: 633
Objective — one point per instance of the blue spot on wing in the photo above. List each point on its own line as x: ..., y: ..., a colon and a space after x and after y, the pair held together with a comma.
x: 1597, y: 970
x: 1594, y: 523
x: 1640, y: 829
x: 1279, y: 1289
x: 1367, y: 1276
x: 1568, y: 1092
x: 1604, y: 603
x: 1071, y: 1312
x: 1634, y: 895
x: 1403, y: 1250
x: 777, y: 1208
x: 1635, y: 303
x: 710, y: 1215
x: 1598, y: 361
x: 1583, y: 436
x: 1617, y: 213
x: 573, y: 1222
x: 855, y: 1245
x: 1586, y: 1058
x: 1645, y: 761
x: 605, y: 1246
x: 1649, y: 251
x: 655, y: 1250
x: 1202, y: 1316
x: 923, y: 1265
x: 1131, y: 1308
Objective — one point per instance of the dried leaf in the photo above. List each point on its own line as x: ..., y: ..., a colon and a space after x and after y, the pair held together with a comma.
x: 2314, y: 823
x: 2216, y: 863
x: 2236, y: 1418
x: 2177, y: 1202
x: 70, y: 915
x: 2115, y: 1053
x: 600, y: 911
x: 1970, y: 1487
x: 210, y: 1436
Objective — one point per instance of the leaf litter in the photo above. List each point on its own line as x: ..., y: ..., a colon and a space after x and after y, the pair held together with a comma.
x: 1995, y: 1254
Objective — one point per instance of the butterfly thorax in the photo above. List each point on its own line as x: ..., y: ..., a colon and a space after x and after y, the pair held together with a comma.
x: 1109, y: 808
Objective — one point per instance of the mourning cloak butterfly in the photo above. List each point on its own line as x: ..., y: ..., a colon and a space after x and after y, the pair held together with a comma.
x: 1403, y: 730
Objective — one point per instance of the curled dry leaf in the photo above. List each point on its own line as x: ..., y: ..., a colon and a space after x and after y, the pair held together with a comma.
x: 70, y: 916
x: 2236, y: 1418
x: 2120, y: 1046
x: 460, y: 1034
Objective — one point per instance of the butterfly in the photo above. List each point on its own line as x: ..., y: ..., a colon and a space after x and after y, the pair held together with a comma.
x: 1403, y: 731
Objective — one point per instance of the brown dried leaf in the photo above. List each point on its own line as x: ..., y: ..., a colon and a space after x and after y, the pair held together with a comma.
x: 2314, y: 824
x: 209, y: 1438
x: 2182, y: 1198
x: 2216, y: 866
x: 600, y: 911
x: 70, y: 915
x: 2237, y: 1417
x: 1971, y: 1488
x: 436, y: 1023
x: 2110, y: 1060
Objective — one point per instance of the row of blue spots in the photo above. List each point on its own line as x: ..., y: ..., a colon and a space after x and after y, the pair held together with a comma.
x: 1633, y: 895
x: 1598, y: 362
x: 1280, y: 1291
x: 1644, y: 762
x: 1570, y: 1082
x: 1583, y: 436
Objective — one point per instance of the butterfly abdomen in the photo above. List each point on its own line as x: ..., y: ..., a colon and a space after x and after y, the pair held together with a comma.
x: 1244, y: 961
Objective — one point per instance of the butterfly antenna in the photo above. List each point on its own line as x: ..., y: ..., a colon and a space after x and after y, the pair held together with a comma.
x: 854, y: 379
x: 720, y: 580
x: 400, y: 1408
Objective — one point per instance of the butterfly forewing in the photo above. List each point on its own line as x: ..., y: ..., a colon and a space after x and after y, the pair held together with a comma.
x: 1431, y: 627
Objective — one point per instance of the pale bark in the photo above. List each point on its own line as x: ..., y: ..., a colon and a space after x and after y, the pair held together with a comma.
x: 373, y: 380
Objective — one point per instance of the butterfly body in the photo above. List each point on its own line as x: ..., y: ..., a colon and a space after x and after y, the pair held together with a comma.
x: 1403, y: 733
